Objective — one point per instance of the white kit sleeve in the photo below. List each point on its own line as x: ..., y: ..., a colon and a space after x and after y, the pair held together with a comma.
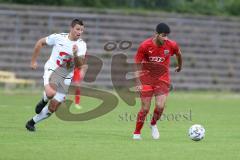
x: 51, y: 39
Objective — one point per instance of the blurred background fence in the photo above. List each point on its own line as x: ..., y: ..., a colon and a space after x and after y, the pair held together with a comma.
x: 210, y: 44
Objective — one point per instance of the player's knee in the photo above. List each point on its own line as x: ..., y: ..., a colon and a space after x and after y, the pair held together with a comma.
x: 52, y: 109
x: 50, y: 94
x: 50, y: 91
x: 53, y: 106
x: 146, y: 104
x: 160, y: 105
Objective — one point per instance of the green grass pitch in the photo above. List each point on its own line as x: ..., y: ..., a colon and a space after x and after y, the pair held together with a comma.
x: 110, y: 136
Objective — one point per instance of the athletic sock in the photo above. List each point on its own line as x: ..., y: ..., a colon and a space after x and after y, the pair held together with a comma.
x: 77, y: 96
x: 140, y: 121
x: 45, y: 113
x: 156, y: 115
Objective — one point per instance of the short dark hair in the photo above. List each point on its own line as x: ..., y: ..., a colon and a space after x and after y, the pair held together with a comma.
x: 163, y: 28
x: 76, y: 21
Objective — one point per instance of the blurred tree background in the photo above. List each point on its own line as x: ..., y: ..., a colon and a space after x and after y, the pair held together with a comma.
x: 206, y: 7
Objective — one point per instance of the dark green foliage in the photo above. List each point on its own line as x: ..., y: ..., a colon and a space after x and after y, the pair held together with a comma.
x: 206, y: 7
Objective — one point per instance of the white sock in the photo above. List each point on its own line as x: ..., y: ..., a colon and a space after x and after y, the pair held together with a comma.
x: 45, y: 98
x: 45, y: 113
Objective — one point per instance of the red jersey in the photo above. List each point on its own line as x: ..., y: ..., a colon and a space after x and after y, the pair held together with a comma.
x: 155, y: 59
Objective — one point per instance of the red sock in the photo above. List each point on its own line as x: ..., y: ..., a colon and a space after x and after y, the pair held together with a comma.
x: 140, y: 121
x: 156, y: 115
x: 77, y: 79
x: 77, y: 96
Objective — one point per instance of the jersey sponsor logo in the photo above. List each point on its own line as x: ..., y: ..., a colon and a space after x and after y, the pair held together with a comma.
x: 156, y: 59
x: 166, y: 52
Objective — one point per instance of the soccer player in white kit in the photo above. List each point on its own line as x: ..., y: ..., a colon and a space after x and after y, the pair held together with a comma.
x: 68, y: 52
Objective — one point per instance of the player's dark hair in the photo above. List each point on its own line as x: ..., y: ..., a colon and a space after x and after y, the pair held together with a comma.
x: 163, y: 28
x: 76, y: 21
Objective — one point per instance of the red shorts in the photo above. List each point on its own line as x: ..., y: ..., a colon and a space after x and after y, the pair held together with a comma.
x: 157, y: 88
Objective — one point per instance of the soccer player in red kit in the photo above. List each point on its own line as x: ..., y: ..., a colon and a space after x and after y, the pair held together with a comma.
x: 153, y: 57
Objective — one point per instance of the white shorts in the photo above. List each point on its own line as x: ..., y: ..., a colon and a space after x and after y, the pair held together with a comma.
x: 57, y: 78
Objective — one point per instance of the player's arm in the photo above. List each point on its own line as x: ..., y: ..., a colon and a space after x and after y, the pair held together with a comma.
x: 37, y: 48
x: 179, y: 61
x: 78, y: 60
x: 84, y: 68
x: 138, y: 60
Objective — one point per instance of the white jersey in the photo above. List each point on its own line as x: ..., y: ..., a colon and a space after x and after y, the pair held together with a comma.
x: 62, y: 54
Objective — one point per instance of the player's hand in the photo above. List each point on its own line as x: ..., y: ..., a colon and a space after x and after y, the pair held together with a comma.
x: 138, y: 88
x: 34, y: 65
x: 178, y: 69
x: 75, y: 49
